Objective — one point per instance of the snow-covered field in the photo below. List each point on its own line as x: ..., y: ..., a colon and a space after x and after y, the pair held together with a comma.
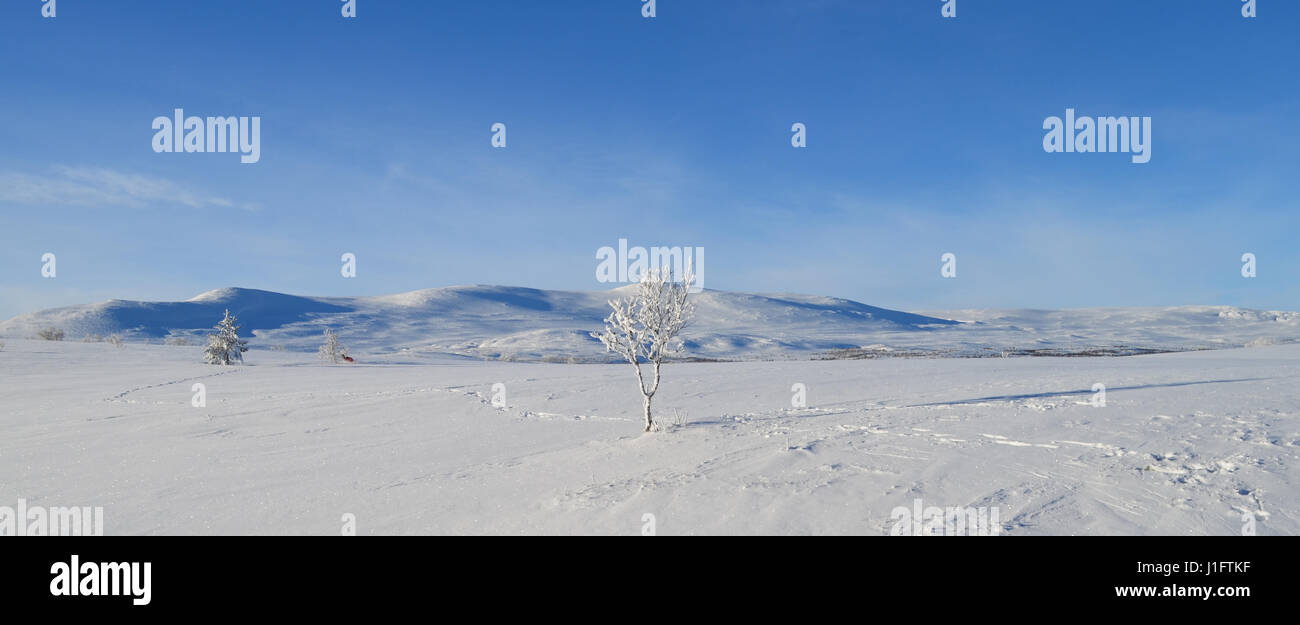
x: 1186, y: 443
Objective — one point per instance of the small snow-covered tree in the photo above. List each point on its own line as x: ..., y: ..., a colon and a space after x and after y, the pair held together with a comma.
x: 332, y: 350
x: 225, y: 347
x: 51, y: 334
x: 644, y: 327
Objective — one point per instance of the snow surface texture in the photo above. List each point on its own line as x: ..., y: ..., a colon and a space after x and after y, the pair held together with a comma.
x: 1187, y: 442
x: 521, y: 324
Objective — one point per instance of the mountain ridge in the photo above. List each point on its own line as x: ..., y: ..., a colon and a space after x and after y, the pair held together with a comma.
x: 523, y: 323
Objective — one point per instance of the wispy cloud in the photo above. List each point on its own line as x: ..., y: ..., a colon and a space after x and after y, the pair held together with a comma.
x: 97, y: 186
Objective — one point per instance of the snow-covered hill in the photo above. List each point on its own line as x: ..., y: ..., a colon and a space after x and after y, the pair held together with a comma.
x: 515, y: 323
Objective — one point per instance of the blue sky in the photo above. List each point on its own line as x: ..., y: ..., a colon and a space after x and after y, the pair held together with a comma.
x: 924, y: 137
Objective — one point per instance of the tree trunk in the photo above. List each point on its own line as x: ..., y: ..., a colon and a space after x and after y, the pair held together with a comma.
x: 648, y: 422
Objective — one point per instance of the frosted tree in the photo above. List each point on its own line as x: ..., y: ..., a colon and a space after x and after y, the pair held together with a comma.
x: 225, y: 347
x: 332, y: 350
x: 644, y: 328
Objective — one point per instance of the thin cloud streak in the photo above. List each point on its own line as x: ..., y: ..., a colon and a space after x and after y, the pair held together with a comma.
x: 98, y: 186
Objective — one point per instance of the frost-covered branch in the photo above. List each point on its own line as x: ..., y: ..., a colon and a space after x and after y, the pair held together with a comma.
x: 644, y: 328
x: 225, y: 347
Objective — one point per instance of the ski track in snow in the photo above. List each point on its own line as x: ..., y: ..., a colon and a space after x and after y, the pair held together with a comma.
x: 1187, y: 443
x: 120, y: 396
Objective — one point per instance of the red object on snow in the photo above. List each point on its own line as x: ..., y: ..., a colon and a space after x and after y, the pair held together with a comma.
x: 348, y: 358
